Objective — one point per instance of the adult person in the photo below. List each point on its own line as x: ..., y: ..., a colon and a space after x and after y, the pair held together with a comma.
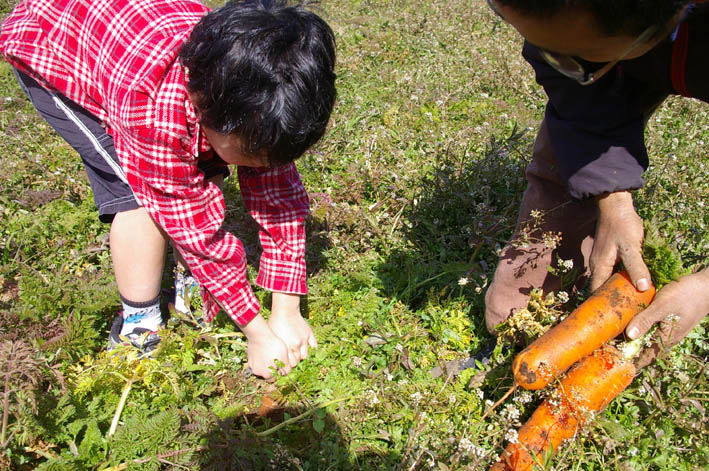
x: 605, y: 66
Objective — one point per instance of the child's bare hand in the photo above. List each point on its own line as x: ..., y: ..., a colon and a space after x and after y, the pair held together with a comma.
x: 678, y: 307
x: 287, y: 323
x: 264, y: 349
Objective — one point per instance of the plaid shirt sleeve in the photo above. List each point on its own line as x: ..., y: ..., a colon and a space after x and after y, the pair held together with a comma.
x: 277, y: 200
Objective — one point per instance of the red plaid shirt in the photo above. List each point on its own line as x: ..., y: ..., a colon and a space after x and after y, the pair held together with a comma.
x: 118, y: 60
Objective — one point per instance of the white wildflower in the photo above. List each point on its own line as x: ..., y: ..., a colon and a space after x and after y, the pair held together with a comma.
x: 357, y: 361
x: 463, y: 281
x: 416, y: 397
x: 399, y: 348
x: 562, y: 297
x: 511, y: 435
x: 452, y: 398
x: 372, y: 398
x: 465, y: 445
x: 568, y: 265
x: 525, y: 397
x: 510, y: 412
x: 480, y: 393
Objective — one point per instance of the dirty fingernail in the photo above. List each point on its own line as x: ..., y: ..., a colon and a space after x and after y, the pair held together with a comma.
x: 633, y: 332
x: 643, y: 284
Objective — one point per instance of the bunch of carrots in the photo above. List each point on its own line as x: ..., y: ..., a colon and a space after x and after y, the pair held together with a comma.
x: 600, y: 372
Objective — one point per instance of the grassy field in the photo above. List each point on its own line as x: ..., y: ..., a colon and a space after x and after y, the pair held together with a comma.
x: 414, y: 190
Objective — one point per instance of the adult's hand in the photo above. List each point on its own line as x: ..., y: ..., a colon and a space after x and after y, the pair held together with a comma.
x: 619, y: 237
x: 288, y: 325
x: 678, y: 307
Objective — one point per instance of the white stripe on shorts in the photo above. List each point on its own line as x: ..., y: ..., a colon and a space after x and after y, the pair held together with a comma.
x: 117, y: 169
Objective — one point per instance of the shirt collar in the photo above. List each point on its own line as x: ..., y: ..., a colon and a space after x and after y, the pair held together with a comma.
x: 199, y: 144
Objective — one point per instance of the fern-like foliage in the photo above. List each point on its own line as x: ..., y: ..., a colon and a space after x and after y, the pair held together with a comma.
x: 140, y: 437
x: 663, y: 260
x: 21, y: 375
x: 74, y: 340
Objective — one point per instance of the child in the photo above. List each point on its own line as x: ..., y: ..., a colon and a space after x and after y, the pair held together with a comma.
x: 158, y: 97
x: 605, y: 66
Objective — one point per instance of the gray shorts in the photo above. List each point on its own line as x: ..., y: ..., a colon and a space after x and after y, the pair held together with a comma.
x: 86, y: 134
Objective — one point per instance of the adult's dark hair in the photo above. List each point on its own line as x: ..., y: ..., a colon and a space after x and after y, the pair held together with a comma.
x: 613, y: 17
x: 265, y: 71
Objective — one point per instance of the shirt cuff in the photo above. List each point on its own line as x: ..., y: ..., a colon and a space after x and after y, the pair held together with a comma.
x: 282, y: 275
x: 241, y: 308
x: 614, y: 170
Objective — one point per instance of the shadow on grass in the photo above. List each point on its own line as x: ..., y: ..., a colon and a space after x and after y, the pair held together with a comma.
x: 313, y: 443
x: 461, y: 214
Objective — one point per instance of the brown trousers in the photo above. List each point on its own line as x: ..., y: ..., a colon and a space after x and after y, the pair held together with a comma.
x: 521, y: 269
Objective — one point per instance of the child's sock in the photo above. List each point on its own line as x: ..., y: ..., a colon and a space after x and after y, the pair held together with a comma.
x: 145, y: 315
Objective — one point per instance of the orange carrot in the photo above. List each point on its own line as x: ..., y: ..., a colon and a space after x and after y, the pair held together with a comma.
x: 603, y: 316
x: 587, y: 388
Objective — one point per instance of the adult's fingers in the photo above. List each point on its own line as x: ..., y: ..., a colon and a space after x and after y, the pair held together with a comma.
x: 647, y: 355
x: 636, y: 268
x: 655, y: 312
x: 599, y: 274
x: 313, y: 342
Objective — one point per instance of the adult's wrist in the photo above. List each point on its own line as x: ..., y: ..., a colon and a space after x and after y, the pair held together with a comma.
x: 612, y: 202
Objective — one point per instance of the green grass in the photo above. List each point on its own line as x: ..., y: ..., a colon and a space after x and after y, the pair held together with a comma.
x: 415, y: 186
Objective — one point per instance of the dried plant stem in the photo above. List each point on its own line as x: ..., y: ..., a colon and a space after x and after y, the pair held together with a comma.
x: 119, y: 408
x: 42, y: 453
x: 500, y: 401
x: 305, y: 414
x: 5, y: 412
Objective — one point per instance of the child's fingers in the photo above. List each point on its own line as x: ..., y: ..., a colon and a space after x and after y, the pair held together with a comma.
x: 265, y: 375
x: 304, y: 351
x: 312, y: 341
x: 292, y: 359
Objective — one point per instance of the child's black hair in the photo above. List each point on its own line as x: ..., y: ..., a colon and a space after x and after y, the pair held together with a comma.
x: 264, y: 71
x: 613, y: 17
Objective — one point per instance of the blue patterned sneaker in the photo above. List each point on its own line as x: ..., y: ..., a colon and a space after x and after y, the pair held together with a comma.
x: 188, y: 300
x: 143, y: 339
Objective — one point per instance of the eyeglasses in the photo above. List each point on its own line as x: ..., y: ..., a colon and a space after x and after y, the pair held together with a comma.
x: 571, y: 68
x: 568, y: 66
